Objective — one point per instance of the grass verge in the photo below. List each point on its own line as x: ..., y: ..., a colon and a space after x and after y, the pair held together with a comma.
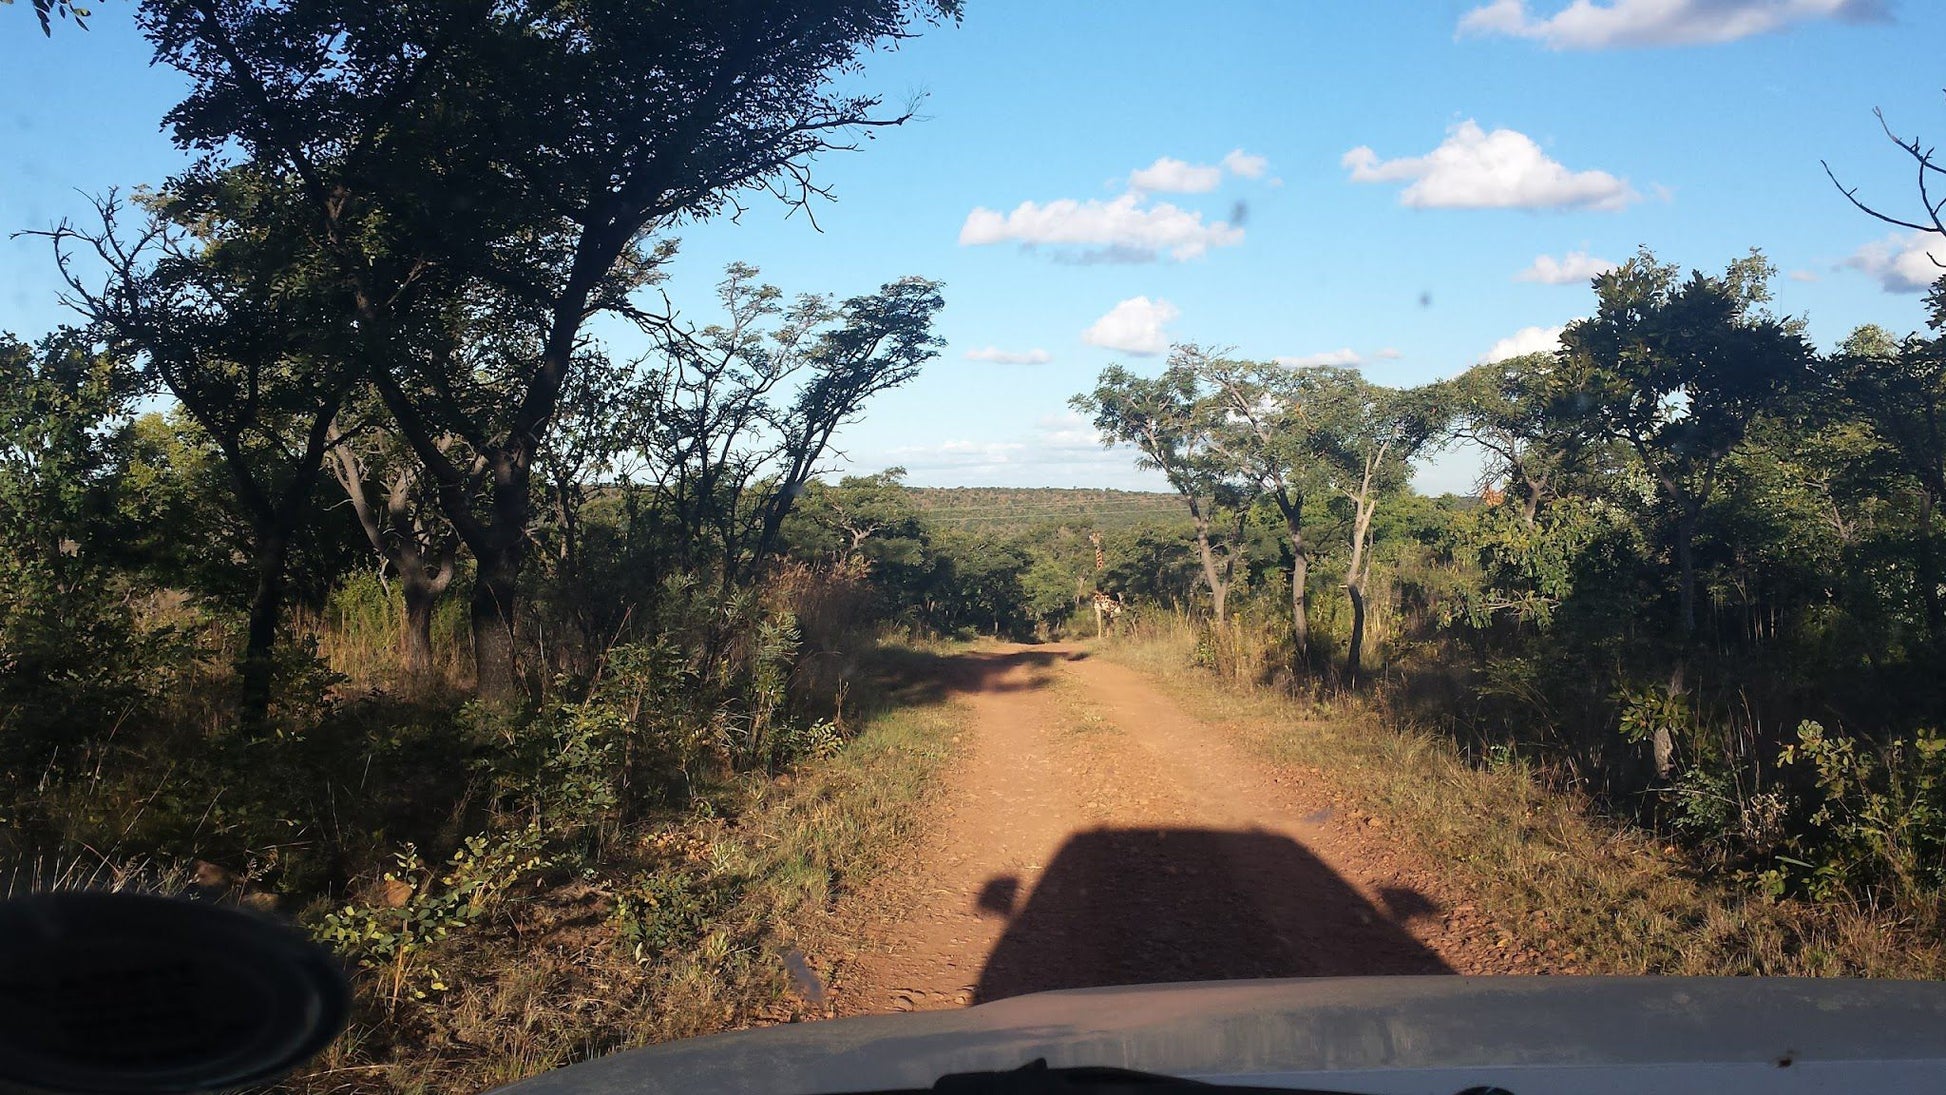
x: 692, y: 928
x: 1591, y: 895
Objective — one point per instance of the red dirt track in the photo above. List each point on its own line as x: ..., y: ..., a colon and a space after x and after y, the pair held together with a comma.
x: 1093, y: 833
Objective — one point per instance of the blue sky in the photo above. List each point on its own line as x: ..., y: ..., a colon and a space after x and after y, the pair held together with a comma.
x: 1492, y: 135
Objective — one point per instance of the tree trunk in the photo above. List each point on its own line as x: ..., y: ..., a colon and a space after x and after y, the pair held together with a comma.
x: 1686, y: 567
x: 421, y: 595
x: 1292, y: 510
x: 1354, y: 658
x: 1356, y: 570
x: 417, y: 653
x: 1218, y: 588
x: 421, y: 583
x: 496, y: 585
x: 256, y: 669
x: 1301, y: 605
x: 495, y: 674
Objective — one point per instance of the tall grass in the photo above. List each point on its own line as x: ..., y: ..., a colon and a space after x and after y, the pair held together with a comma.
x: 360, y: 633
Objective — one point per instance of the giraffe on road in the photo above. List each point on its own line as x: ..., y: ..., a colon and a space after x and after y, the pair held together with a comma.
x: 1107, y: 607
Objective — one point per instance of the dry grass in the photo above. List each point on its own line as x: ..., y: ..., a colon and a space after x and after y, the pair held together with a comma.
x: 549, y: 981
x: 1592, y: 895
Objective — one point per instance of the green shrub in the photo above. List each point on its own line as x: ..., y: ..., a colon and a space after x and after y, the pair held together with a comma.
x: 418, y: 906
x: 1878, y: 830
x: 669, y: 911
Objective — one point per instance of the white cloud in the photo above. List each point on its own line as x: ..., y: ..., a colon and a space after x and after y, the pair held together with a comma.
x: 1123, y: 229
x: 1390, y: 353
x: 1527, y: 340
x: 1902, y: 263
x: 999, y: 356
x: 1589, y: 24
x: 976, y: 448
x: 1135, y: 326
x: 1346, y: 356
x: 1804, y: 275
x: 1168, y: 175
x: 1172, y: 176
x: 1474, y: 169
x: 1249, y: 166
x: 1576, y: 268
x: 1068, y: 430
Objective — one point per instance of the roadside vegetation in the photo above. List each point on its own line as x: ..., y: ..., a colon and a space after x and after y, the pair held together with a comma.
x: 723, y: 913
x: 381, y: 551
x: 1698, y: 594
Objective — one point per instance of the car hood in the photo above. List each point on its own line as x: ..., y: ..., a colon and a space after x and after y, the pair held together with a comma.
x: 1368, y: 1034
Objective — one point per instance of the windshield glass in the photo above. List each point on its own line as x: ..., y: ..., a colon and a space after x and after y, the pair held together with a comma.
x: 619, y: 521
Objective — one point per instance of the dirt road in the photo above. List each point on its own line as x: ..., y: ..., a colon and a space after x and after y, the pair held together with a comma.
x: 1094, y: 834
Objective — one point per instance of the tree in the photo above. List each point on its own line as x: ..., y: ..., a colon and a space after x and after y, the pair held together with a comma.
x: 861, y: 511
x: 392, y: 499
x: 65, y: 411
x: 1264, y: 429
x: 745, y: 410
x: 1156, y: 562
x: 1167, y: 420
x: 1899, y: 387
x: 1677, y: 371
x: 212, y: 297
x: 446, y: 149
x: 74, y: 662
x: 1531, y: 426
x: 607, y: 412
x: 1369, y: 434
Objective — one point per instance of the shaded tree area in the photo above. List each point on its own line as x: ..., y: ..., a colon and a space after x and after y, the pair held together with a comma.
x: 473, y: 183
x: 380, y: 539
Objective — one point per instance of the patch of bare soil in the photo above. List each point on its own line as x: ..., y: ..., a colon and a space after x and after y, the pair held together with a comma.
x: 1095, y: 834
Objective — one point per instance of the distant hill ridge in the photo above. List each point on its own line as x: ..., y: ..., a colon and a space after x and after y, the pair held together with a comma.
x: 998, y: 507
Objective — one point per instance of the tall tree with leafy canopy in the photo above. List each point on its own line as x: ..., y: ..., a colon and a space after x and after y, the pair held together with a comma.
x: 1369, y: 434
x: 220, y: 300
x: 1265, y: 429
x: 1531, y: 425
x: 536, y: 151
x: 745, y: 410
x: 1677, y: 370
x: 860, y: 510
x: 66, y: 626
x: 1169, y: 421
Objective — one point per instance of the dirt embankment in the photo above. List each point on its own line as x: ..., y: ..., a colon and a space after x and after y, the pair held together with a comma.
x: 1096, y: 834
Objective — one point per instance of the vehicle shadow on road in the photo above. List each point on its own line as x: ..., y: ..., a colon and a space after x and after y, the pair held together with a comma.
x: 920, y: 677
x: 1134, y: 906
